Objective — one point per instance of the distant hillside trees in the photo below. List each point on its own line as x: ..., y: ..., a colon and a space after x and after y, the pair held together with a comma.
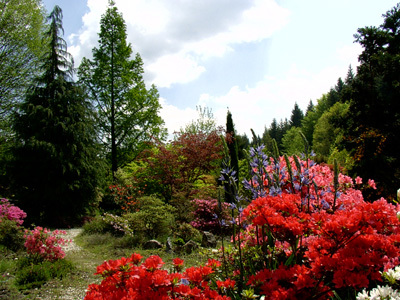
x: 373, y: 123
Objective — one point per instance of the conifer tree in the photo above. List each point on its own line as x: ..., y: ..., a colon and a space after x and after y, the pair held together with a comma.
x: 55, y: 169
x: 232, y: 144
x: 128, y: 113
x: 296, y: 117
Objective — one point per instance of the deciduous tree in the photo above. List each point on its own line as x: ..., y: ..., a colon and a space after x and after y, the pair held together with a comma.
x: 175, y: 167
x: 21, y: 27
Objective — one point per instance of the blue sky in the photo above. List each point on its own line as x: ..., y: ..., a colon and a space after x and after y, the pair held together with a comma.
x: 255, y: 57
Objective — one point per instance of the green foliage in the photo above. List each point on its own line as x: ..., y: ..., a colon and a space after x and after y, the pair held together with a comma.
x: 327, y: 133
x: 342, y: 157
x: 33, y: 274
x: 128, y: 112
x: 97, y: 225
x: 297, y: 116
x: 292, y: 142
x: 55, y: 168
x: 21, y: 27
x: 11, y: 235
x: 186, y: 232
x: 373, y: 122
x: 205, y: 123
x: 154, y: 218
x: 232, y: 144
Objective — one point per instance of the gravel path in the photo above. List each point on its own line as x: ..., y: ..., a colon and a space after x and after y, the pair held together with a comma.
x: 71, y: 235
x: 65, y: 290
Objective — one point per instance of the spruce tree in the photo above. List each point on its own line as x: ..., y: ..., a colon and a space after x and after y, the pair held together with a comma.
x: 296, y: 117
x: 128, y: 113
x: 55, y: 169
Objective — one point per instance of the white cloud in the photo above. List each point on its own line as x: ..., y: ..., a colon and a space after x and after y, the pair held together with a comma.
x: 182, y: 34
x: 176, y: 118
x: 175, y: 68
x: 273, y: 97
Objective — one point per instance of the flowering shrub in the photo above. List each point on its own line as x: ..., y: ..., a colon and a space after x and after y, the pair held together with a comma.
x: 209, y: 216
x: 392, y: 276
x: 45, y: 244
x: 125, y: 196
x: 307, y: 233
x: 315, y: 229
x: 126, y: 278
x: 11, y: 212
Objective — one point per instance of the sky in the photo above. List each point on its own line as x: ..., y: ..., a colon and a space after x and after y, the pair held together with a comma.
x: 256, y: 58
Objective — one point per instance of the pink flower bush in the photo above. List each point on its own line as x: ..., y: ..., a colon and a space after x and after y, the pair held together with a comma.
x: 11, y: 212
x: 45, y: 243
x: 209, y: 217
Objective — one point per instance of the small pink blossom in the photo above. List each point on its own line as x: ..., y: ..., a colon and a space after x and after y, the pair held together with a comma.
x: 358, y: 180
x: 371, y: 183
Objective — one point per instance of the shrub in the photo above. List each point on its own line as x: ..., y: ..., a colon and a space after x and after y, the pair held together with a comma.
x: 154, y: 218
x: 45, y: 244
x: 11, y: 212
x: 210, y: 216
x: 98, y: 225
x: 11, y: 235
x: 187, y: 232
x: 126, y: 278
x: 34, y: 273
x: 306, y: 234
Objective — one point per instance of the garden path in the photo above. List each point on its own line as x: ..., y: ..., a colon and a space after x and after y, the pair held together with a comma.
x: 74, y: 287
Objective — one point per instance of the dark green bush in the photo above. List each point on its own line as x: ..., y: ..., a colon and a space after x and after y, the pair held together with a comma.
x: 11, y: 235
x: 187, y: 232
x: 33, y: 273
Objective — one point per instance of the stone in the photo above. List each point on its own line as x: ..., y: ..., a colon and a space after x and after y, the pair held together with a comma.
x: 168, y: 246
x: 152, y: 244
x: 190, y: 246
x: 208, y: 240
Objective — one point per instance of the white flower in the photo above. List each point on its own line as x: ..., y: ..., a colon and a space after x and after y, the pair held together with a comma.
x: 363, y: 295
x: 379, y: 293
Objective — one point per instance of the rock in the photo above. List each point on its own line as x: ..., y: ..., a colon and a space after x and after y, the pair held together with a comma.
x: 169, y: 246
x: 190, y: 246
x: 152, y: 244
x: 208, y: 240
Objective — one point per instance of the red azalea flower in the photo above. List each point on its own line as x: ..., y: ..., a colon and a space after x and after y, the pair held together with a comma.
x: 153, y: 262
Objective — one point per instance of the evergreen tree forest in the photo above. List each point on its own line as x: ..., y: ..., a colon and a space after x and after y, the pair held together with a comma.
x: 69, y: 136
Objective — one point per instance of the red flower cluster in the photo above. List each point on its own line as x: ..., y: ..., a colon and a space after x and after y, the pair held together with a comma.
x: 127, y: 279
x: 323, y: 248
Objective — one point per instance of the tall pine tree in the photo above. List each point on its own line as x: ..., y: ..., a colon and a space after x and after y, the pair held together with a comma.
x: 128, y: 113
x: 55, y: 169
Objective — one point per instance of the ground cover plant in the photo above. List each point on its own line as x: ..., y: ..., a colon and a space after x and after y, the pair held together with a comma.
x: 305, y: 233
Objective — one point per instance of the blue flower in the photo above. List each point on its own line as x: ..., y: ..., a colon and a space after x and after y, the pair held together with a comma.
x: 325, y: 205
x: 184, y: 281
